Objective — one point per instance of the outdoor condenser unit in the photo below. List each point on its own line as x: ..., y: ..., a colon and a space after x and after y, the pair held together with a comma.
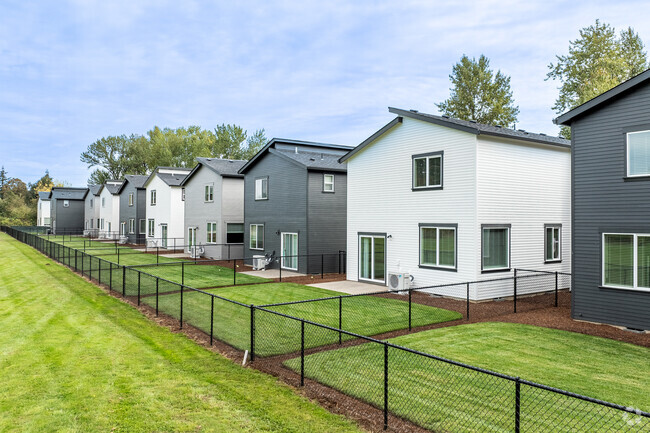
x: 398, y: 281
x: 259, y: 262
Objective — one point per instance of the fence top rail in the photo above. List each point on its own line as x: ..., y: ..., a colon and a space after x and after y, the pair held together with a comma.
x: 542, y: 272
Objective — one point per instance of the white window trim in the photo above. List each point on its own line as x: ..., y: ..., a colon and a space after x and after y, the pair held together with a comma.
x: 151, y: 227
x: 131, y: 199
x: 132, y: 226
x: 257, y: 242
x: 325, y: 183
x: 491, y: 227
x: 559, y: 241
x: 413, y: 173
x: 182, y: 194
x: 208, y: 193
x: 261, y: 182
x: 152, y: 197
x: 634, y: 287
x: 627, y: 154
x: 213, y: 230
x: 438, y: 228
x: 141, y: 221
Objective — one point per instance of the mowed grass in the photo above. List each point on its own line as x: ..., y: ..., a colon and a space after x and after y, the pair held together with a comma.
x: 73, y: 359
x: 274, y: 334
x: 444, y: 397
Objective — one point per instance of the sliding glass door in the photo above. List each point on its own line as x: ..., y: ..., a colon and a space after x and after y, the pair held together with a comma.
x: 289, y: 249
x: 372, y: 258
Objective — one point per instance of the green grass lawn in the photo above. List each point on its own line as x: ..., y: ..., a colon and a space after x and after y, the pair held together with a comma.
x: 201, y: 276
x: 73, y: 359
x: 275, y: 334
x: 445, y: 397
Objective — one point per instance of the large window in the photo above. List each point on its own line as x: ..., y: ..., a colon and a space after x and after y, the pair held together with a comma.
x: 427, y: 171
x: 234, y: 233
x: 130, y: 199
x: 552, y: 243
x: 132, y: 226
x: 626, y: 261
x: 495, y: 248
x: 438, y: 246
x: 211, y: 234
x: 257, y: 236
x: 638, y: 153
x: 209, y: 192
x: 262, y: 188
x: 152, y: 226
x: 153, y: 197
x: 328, y: 183
x: 143, y: 226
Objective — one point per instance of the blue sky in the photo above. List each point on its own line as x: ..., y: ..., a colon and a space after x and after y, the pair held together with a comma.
x: 74, y: 71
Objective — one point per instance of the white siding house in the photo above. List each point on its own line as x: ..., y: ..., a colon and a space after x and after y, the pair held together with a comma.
x: 109, y: 209
x: 165, y: 207
x: 91, y: 211
x: 450, y: 201
x: 43, y: 211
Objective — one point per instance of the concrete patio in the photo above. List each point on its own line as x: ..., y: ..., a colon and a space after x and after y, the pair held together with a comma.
x: 350, y: 287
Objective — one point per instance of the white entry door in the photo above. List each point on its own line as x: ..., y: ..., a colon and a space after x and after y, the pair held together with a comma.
x: 372, y: 258
x: 289, y: 249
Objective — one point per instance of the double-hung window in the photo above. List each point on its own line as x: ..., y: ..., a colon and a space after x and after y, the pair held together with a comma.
x: 183, y: 194
x: 262, y: 188
x: 209, y: 192
x: 552, y: 243
x: 638, y: 153
x: 495, y: 247
x: 438, y: 246
x: 152, y: 226
x: 427, y: 171
x: 234, y: 233
x: 626, y: 261
x: 130, y: 199
x: 102, y: 224
x: 132, y: 226
x: 211, y: 234
x: 328, y: 183
x: 153, y: 197
x: 257, y: 236
x: 143, y: 226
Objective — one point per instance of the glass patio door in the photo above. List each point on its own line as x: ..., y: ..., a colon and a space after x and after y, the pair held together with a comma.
x: 372, y: 258
x: 289, y: 249
x: 163, y: 235
x: 191, y: 238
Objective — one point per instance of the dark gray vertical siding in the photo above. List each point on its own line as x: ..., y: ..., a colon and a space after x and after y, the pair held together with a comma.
x: 71, y: 217
x: 284, y: 211
x: 327, y: 220
x: 604, y: 202
x: 141, y: 213
x: 128, y: 212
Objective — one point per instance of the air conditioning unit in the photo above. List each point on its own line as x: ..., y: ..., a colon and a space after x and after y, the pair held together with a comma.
x: 399, y: 281
x: 152, y: 243
x: 259, y: 263
x: 123, y: 239
x: 197, y: 252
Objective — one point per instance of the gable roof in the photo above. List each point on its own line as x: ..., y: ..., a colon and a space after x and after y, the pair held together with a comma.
x: 469, y: 126
x: 222, y: 167
x: 605, y: 97
x: 112, y: 186
x: 312, y: 160
x: 315, y: 146
x: 44, y: 195
x: 65, y: 193
x: 137, y: 180
x: 170, y: 179
x: 94, y: 189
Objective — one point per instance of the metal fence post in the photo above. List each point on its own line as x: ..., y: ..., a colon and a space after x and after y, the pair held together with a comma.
x: 181, y: 315
x: 139, y: 275
x: 339, y: 262
x: 157, y: 281
x: 322, y: 267
x: 515, y: 291
x: 252, y: 332
x: 211, y: 318
x: 385, y: 386
x: 82, y: 264
x: 110, y: 276
x: 118, y: 257
x: 75, y: 260
x: 340, y: 318
x: 99, y: 261
x: 183, y: 273
x: 234, y: 273
x: 280, y: 267
x: 302, y: 353
x: 517, y: 404
x: 410, y: 307
x: 123, y: 281
x: 556, y: 288
x: 157, y: 254
x: 467, y: 301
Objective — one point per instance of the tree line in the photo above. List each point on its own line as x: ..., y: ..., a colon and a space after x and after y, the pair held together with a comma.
x: 18, y: 200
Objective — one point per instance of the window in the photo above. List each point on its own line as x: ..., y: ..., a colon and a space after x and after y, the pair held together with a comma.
x: 122, y: 228
x: 234, y: 233
x: 91, y: 223
x: 152, y: 227
x: 132, y: 226
x: 102, y: 224
x: 495, y: 248
x: 66, y: 203
x: 183, y: 194
x: 97, y: 222
x: 638, y: 153
x: 130, y: 199
x: 211, y: 235
x: 143, y: 226
x: 103, y: 201
x: 257, y: 237
x: 626, y: 261
x: 262, y: 188
x: 427, y: 171
x: 209, y: 192
x: 552, y: 243
x: 91, y: 203
x: 328, y: 183
x: 153, y: 197
x: 46, y: 221
x: 438, y: 246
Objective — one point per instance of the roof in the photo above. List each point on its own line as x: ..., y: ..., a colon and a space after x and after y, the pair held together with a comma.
x: 111, y: 186
x: 136, y: 180
x: 313, y: 160
x: 469, y: 126
x: 44, y: 195
x: 251, y: 162
x: 94, y: 189
x: 170, y: 179
x: 66, y: 193
x: 222, y: 167
x: 626, y: 86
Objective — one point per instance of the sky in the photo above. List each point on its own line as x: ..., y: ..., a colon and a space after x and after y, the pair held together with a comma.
x: 72, y: 72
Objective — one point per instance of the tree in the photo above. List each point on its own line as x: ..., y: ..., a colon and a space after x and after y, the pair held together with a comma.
x: 45, y: 183
x: 3, y: 179
x: 479, y: 94
x: 111, y: 155
x: 597, y: 61
x: 232, y: 142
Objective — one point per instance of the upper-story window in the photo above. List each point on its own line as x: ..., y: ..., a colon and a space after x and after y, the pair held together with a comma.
x: 131, y: 199
x: 427, y: 171
x: 183, y: 194
x: 91, y: 202
x: 103, y: 201
x: 328, y: 183
x: 209, y: 192
x: 153, y: 197
x: 262, y: 188
x: 638, y: 153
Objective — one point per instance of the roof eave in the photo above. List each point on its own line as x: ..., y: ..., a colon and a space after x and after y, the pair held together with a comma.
x: 372, y: 138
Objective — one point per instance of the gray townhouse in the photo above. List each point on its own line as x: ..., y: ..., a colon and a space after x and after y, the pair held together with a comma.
x: 133, y: 208
x: 295, y: 200
x: 610, y: 138
x: 67, y: 209
x: 214, y: 208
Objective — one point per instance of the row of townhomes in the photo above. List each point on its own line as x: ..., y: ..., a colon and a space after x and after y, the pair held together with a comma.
x: 427, y: 199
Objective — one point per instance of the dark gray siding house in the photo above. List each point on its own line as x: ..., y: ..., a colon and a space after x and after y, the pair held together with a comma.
x: 67, y: 210
x: 133, y: 206
x: 610, y: 137
x: 295, y: 198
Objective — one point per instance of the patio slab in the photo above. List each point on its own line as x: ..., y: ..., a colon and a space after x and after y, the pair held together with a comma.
x: 350, y: 287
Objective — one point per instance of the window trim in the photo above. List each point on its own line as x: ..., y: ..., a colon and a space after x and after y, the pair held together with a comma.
x: 153, y: 199
x: 103, y: 201
x: 183, y: 194
x: 634, y: 287
x: 627, y: 155
x: 267, y: 188
x: 243, y: 232
x: 439, y: 154
x: 131, y: 226
x: 559, y: 227
x: 212, y: 230
x: 143, y: 223
x: 208, y: 193
x: 325, y: 190
x: 438, y: 266
x: 151, y: 227
x: 91, y: 203
x: 250, y: 238
x: 131, y: 199
x: 497, y: 226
